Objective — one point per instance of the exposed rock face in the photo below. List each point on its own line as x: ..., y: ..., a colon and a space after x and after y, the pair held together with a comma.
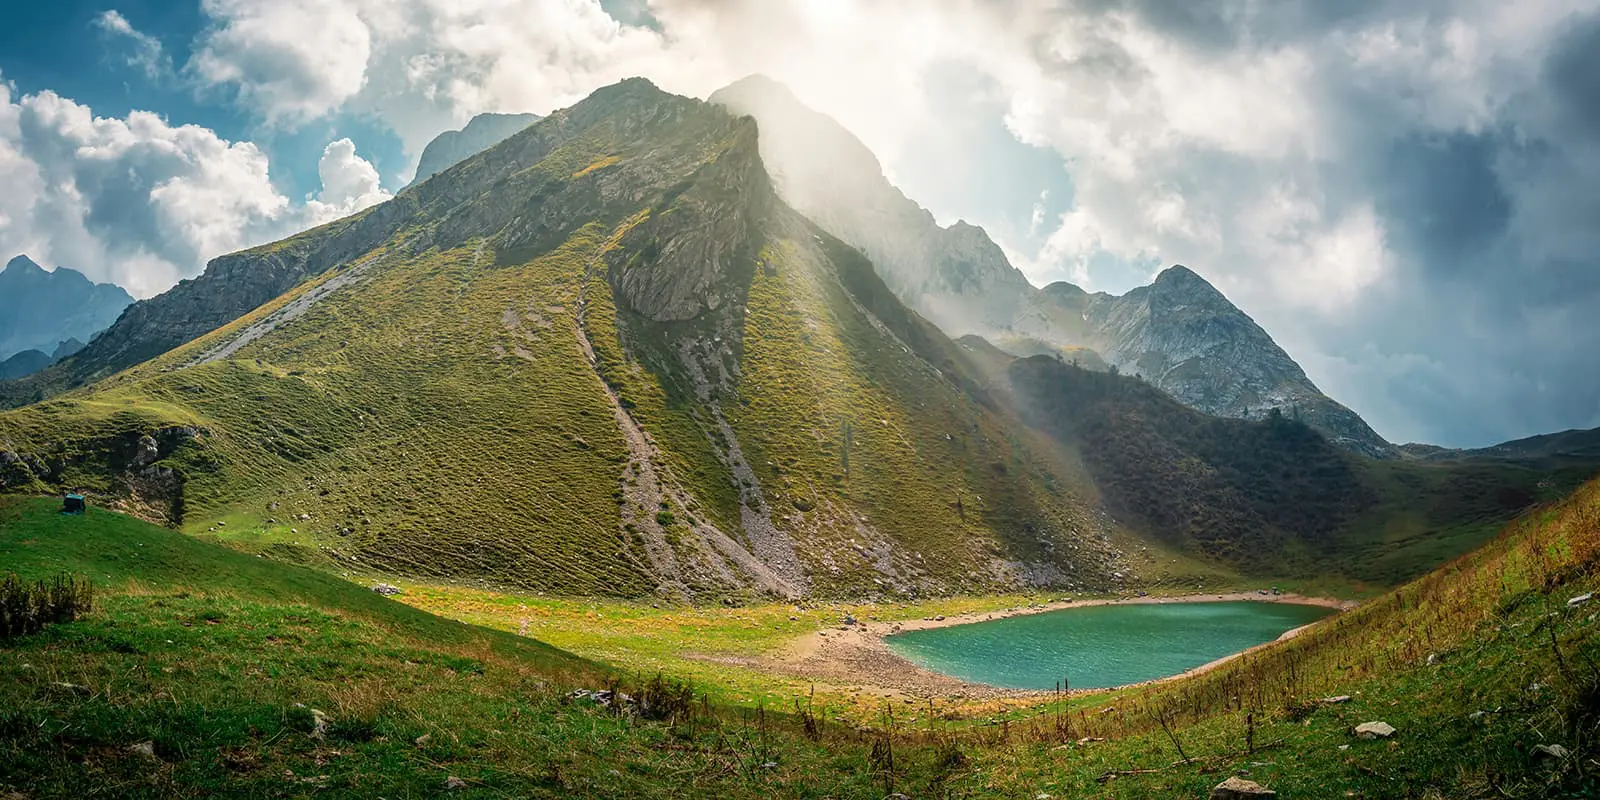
x: 40, y: 310
x: 1184, y: 337
x: 692, y: 250
x: 481, y: 133
x: 956, y: 276
x: 1180, y: 333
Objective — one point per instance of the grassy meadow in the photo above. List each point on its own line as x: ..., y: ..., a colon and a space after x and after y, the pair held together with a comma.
x: 210, y: 654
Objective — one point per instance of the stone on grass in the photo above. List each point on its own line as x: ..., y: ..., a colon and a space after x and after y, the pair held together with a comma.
x: 1237, y: 788
x: 1374, y: 730
x: 1580, y: 599
x: 1336, y: 699
x: 319, y: 724
x: 453, y: 783
x: 1554, y: 751
x: 386, y: 589
x: 145, y: 750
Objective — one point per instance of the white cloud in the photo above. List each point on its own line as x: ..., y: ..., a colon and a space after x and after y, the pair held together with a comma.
x: 291, y: 59
x: 349, y: 184
x: 144, y: 203
x: 147, y: 55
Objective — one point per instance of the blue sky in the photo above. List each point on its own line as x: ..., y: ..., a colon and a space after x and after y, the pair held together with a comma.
x: 59, y: 46
x: 1400, y: 191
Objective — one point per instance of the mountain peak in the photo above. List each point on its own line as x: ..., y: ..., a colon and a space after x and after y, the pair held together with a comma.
x: 483, y: 124
x: 1177, y: 275
x: 22, y: 265
x: 40, y: 308
x: 754, y: 84
x: 479, y: 134
x: 1181, y: 284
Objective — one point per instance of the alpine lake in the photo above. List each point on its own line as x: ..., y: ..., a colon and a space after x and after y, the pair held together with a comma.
x: 1100, y: 646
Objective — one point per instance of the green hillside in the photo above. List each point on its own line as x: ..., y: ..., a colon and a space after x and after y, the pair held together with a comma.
x: 598, y: 358
x: 1272, y: 495
x: 218, y: 659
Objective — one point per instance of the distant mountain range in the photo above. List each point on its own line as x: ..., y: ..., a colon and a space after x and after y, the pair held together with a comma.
x: 46, y: 315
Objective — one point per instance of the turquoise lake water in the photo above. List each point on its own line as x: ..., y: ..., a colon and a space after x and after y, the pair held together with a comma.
x: 1095, y: 647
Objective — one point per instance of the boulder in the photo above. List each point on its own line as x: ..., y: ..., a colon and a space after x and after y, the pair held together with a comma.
x: 1237, y: 788
x: 386, y: 589
x: 1336, y: 699
x: 1580, y: 599
x: 145, y: 452
x: 452, y: 783
x: 1374, y: 730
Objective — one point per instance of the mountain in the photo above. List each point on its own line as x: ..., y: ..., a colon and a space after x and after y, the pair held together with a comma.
x: 26, y: 362
x: 1180, y: 332
x: 955, y: 276
x: 66, y: 347
x: 40, y: 308
x: 603, y: 357
x: 1185, y: 338
x: 481, y: 133
x: 1569, y: 444
x: 600, y: 357
x: 1270, y: 494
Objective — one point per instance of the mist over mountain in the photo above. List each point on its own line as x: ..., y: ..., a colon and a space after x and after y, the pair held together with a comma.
x: 1180, y: 333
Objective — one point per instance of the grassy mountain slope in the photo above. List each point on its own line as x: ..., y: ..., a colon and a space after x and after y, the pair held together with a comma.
x: 1271, y: 494
x: 205, y: 653
x: 598, y: 358
x: 1179, y: 332
x: 218, y: 659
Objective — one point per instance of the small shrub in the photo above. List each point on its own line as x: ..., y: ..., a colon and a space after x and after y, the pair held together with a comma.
x: 665, y: 519
x: 28, y: 607
x: 665, y: 699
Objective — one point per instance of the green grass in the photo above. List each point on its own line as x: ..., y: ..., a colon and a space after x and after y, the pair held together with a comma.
x: 206, y: 652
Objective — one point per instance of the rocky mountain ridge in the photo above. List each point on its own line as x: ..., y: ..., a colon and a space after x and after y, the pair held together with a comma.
x: 479, y: 134
x: 1179, y: 333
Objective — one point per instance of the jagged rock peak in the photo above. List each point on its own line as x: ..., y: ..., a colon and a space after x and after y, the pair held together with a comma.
x: 22, y: 264
x: 1180, y: 275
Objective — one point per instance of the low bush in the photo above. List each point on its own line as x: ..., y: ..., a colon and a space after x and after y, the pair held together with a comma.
x: 28, y: 607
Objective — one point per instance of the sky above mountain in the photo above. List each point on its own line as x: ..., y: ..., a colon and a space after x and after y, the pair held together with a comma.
x: 1400, y: 191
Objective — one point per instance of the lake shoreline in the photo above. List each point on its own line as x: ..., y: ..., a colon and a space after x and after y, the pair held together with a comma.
x: 858, y: 659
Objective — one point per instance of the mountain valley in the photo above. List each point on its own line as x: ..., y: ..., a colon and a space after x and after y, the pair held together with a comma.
x: 605, y: 458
